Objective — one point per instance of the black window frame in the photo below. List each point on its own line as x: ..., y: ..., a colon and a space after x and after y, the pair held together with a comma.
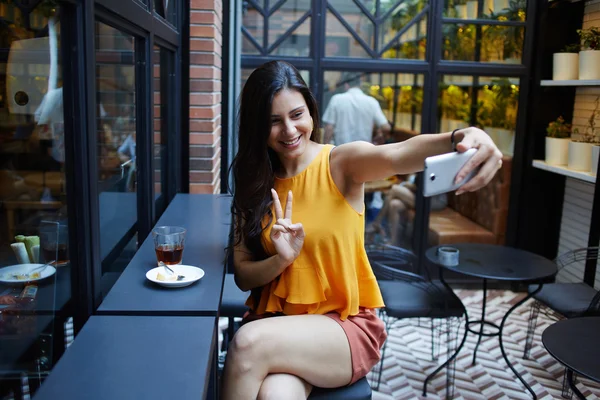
x: 432, y: 68
x: 78, y: 53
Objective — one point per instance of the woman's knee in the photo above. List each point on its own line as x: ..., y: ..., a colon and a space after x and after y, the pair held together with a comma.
x: 245, y: 348
x: 397, y: 205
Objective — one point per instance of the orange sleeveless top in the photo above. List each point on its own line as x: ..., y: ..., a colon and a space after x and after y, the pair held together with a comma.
x: 332, y: 272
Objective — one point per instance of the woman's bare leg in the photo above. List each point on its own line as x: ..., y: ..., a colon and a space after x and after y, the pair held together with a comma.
x: 312, y: 347
x: 397, y: 211
x: 284, y: 386
x: 405, y: 194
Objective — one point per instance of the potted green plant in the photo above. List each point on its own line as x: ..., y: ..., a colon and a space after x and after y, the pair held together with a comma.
x: 557, y: 142
x: 565, y: 63
x: 581, y: 147
x: 589, y: 56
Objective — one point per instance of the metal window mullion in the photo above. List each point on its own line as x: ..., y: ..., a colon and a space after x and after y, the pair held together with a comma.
x: 462, y: 21
x: 289, y: 32
x: 317, y: 51
x: 365, y: 11
x: 179, y: 138
x: 403, y: 30
x: 254, y: 61
x: 265, y: 46
x: 77, y: 53
x: 131, y: 14
x: 483, y: 69
x: 522, y: 151
x: 370, y: 65
x: 144, y: 112
x: 164, y: 30
x: 249, y: 36
x: 342, y: 21
x: 430, y: 96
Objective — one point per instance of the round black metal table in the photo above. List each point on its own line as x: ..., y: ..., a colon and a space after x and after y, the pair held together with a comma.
x: 575, y: 344
x: 487, y: 261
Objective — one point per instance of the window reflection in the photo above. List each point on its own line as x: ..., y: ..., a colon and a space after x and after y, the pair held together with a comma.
x: 500, y: 10
x: 117, y: 150
x: 490, y: 43
x: 390, y: 202
x: 160, y: 161
x: 33, y: 193
x: 488, y: 102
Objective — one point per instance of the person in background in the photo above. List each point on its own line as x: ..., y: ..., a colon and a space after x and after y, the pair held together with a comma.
x: 353, y: 115
x: 398, y: 201
x: 126, y: 153
x: 298, y: 243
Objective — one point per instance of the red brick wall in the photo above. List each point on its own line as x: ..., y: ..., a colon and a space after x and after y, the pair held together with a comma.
x: 206, y: 18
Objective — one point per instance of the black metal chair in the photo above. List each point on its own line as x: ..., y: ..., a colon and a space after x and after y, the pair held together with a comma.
x: 408, y: 294
x: 568, y: 297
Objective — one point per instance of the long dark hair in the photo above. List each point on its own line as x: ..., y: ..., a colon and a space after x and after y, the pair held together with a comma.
x: 255, y: 164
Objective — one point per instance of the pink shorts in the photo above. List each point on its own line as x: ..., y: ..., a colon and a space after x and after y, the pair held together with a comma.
x: 366, y: 335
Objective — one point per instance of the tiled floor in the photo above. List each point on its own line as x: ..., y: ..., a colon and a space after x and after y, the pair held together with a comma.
x: 408, y: 359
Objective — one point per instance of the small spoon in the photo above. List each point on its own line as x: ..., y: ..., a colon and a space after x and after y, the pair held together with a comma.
x: 162, y: 264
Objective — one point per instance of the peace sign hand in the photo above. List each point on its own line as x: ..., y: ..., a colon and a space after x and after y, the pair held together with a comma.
x: 287, y: 238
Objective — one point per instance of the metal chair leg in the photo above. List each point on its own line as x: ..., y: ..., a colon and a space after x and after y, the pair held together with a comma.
x: 567, y: 393
x: 452, y: 340
x: 532, y: 323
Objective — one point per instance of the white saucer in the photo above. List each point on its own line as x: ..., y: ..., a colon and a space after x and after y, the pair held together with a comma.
x: 192, y: 274
x: 10, y: 274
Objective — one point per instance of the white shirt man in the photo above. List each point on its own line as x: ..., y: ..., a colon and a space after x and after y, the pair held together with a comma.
x: 351, y: 116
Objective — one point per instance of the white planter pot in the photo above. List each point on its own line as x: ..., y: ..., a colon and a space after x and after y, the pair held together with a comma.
x: 492, y: 134
x: 595, y: 154
x: 461, y: 11
x: 557, y: 151
x: 488, y: 6
x: 580, y: 156
x: 565, y: 66
x: 589, y: 64
x: 506, y: 141
x: 472, y: 9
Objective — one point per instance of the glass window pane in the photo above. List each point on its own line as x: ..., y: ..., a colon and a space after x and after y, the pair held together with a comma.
x: 490, y: 103
x: 285, y: 17
x: 248, y: 47
x: 400, y: 98
x: 410, y: 45
x: 297, y: 44
x: 489, y: 43
x: 501, y: 10
x: 339, y: 42
x: 161, y: 80
x: 33, y: 192
x: 253, y: 21
x: 357, y: 20
x: 116, y: 147
x: 403, y: 16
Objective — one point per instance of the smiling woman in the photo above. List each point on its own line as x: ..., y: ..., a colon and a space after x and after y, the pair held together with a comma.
x: 313, y: 290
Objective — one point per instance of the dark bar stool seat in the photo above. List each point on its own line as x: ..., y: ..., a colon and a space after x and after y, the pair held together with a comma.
x: 233, y: 306
x: 359, y: 390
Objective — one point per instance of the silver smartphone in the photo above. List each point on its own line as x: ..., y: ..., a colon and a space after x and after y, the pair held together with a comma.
x: 441, y: 170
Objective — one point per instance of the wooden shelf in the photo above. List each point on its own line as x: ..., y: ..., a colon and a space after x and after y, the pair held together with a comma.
x: 563, y: 170
x: 550, y: 82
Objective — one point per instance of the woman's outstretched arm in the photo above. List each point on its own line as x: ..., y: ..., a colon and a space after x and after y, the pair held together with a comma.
x: 361, y: 162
